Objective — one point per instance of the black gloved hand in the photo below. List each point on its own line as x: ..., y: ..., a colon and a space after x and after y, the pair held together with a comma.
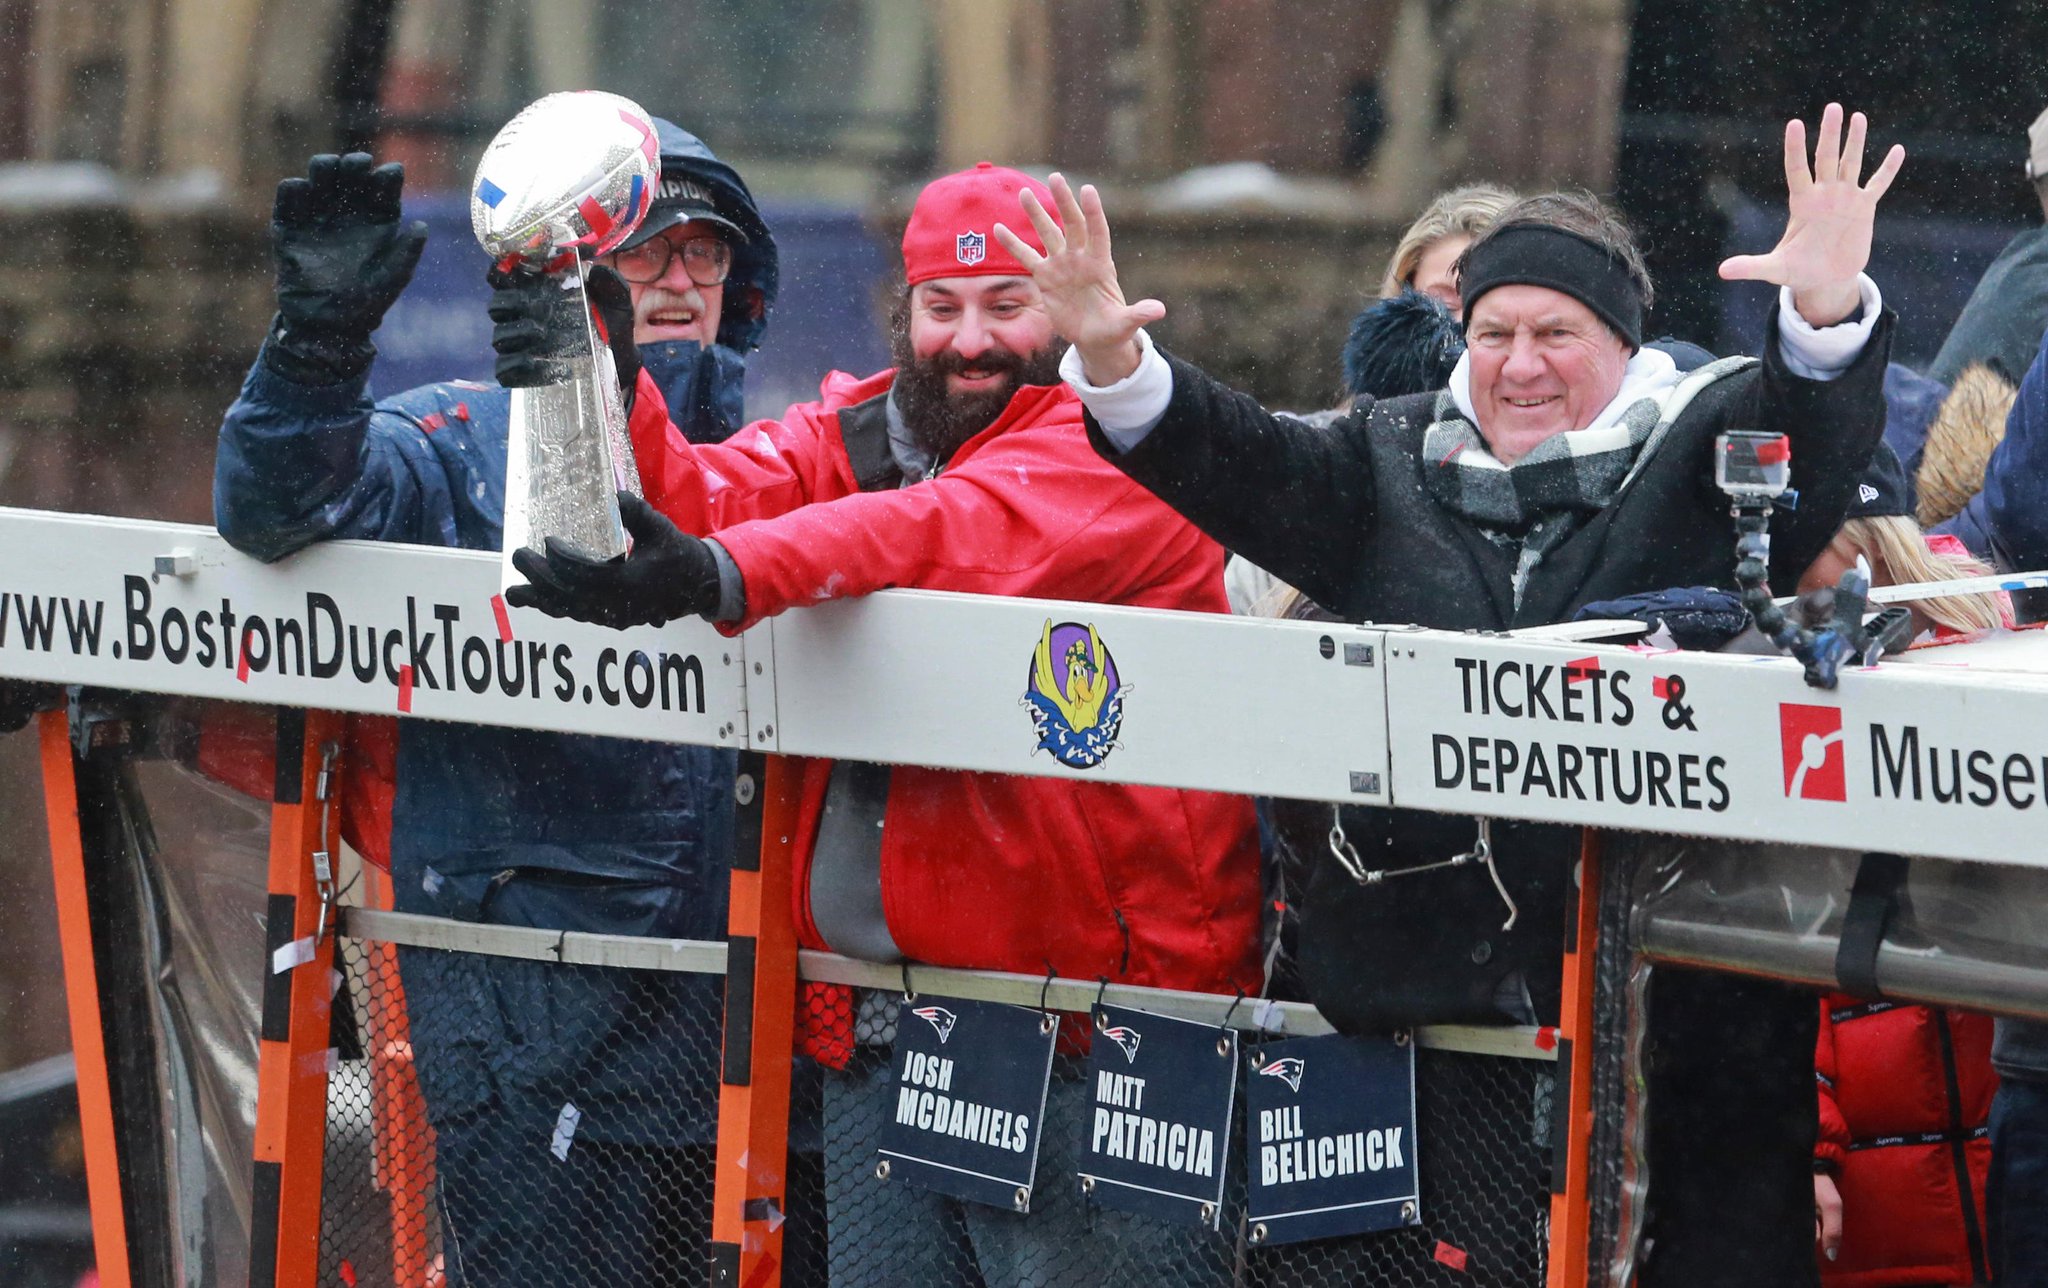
x: 343, y: 257
x: 612, y: 301
x: 668, y: 574
x: 538, y: 326
x: 1698, y: 617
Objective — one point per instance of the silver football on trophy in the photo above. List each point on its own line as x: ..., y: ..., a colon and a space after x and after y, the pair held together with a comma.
x: 572, y: 171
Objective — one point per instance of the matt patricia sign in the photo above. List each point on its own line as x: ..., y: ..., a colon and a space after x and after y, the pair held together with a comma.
x: 1917, y: 759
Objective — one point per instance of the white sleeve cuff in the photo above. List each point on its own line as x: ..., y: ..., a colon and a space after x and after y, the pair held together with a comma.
x: 1822, y: 353
x: 1128, y: 409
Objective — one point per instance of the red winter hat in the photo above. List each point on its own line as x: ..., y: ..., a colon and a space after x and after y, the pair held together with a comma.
x: 951, y: 232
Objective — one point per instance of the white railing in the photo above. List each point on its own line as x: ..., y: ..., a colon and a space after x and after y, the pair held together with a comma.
x: 1930, y: 759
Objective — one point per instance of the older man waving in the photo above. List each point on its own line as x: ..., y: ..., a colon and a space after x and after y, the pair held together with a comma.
x: 1564, y: 464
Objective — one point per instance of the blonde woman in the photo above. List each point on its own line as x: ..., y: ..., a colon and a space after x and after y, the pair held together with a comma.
x: 1882, y: 530
x: 1427, y: 254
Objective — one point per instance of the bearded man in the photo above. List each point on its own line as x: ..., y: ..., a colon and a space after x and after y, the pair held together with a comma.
x: 966, y: 468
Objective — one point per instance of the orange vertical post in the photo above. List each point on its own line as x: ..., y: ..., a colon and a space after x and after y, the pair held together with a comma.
x: 751, y: 1195
x: 82, y: 996
x: 1570, y: 1206
x: 293, y: 1056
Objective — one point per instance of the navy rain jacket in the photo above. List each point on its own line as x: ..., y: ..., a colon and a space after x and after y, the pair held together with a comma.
x: 521, y: 827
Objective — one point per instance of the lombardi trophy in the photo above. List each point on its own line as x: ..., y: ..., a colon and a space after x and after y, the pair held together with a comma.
x: 568, y: 179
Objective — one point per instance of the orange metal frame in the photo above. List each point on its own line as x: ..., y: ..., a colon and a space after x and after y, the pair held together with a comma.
x: 82, y: 995
x: 292, y: 1056
x: 750, y: 1198
x: 1570, y: 1209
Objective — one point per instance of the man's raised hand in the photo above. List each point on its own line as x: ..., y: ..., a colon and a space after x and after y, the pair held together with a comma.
x: 1078, y: 281
x: 344, y: 253
x: 1826, y: 242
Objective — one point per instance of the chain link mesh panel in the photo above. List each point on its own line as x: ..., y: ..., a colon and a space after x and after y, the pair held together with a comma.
x: 1484, y: 1124
x: 454, y: 1156
x: 494, y: 1121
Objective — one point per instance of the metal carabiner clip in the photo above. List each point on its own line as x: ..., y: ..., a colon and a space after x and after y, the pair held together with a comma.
x: 1347, y: 858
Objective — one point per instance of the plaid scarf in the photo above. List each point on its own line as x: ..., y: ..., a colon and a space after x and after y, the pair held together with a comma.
x: 1536, y: 504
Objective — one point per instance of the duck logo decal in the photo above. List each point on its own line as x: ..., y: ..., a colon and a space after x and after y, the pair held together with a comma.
x: 1075, y: 696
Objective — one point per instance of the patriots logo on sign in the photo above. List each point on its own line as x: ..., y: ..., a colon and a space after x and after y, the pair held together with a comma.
x: 939, y: 1018
x: 1124, y: 1037
x: 1287, y: 1069
x: 970, y: 248
x: 1866, y: 493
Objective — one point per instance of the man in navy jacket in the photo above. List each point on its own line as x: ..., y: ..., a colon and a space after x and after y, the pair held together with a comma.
x: 518, y: 827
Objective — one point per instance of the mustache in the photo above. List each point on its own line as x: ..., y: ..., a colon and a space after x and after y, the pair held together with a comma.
x: 655, y: 299
x: 994, y: 361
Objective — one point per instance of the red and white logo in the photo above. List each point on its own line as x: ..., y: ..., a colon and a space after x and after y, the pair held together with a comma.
x: 1811, y: 741
x: 1288, y: 1069
x: 970, y: 248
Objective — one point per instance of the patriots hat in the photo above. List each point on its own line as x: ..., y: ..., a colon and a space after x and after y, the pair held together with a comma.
x: 952, y: 227
x: 678, y: 199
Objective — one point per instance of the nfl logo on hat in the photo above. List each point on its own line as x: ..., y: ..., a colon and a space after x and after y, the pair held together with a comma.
x: 970, y: 248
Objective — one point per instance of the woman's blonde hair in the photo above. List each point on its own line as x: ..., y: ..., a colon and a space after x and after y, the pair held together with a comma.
x: 1461, y: 212
x: 1897, y: 542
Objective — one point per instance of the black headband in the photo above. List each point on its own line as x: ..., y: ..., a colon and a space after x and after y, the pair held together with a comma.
x: 1544, y: 255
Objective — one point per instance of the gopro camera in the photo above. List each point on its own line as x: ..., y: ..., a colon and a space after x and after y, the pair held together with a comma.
x: 1750, y: 465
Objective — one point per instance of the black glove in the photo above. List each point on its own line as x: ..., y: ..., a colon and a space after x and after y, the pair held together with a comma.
x: 668, y: 574
x: 611, y: 299
x: 538, y: 328
x: 1698, y: 617
x: 342, y: 257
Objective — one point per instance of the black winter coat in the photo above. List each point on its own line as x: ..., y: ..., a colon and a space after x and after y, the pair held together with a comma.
x: 1344, y: 514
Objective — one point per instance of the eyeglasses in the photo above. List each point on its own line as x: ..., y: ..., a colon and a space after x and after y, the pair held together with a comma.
x: 707, y: 260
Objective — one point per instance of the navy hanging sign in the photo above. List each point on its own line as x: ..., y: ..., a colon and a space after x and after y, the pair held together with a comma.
x: 1159, y: 1120
x: 967, y: 1099
x: 1330, y: 1138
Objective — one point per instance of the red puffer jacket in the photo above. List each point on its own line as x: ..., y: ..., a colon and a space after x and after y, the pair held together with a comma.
x: 1905, y: 1093
x: 1144, y: 885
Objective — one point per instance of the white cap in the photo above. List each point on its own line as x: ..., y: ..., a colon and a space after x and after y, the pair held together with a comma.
x: 2037, y: 148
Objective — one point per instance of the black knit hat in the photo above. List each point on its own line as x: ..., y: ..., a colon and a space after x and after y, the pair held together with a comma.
x: 1883, y: 491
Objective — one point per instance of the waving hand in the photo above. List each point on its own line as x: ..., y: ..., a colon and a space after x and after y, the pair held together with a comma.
x: 1826, y: 241
x: 1078, y: 280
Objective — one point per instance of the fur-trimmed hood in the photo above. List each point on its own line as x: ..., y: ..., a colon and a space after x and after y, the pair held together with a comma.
x: 1966, y: 429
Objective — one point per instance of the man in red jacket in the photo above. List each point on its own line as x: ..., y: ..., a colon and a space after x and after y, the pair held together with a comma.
x: 964, y: 468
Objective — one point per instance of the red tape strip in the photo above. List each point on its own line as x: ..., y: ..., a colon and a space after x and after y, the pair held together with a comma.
x: 1455, y: 1258
x: 595, y: 215
x: 405, y: 687
x: 242, y: 659
x: 1546, y: 1038
x: 504, y: 618
x: 1581, y: 669
x: 763, y: 1270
